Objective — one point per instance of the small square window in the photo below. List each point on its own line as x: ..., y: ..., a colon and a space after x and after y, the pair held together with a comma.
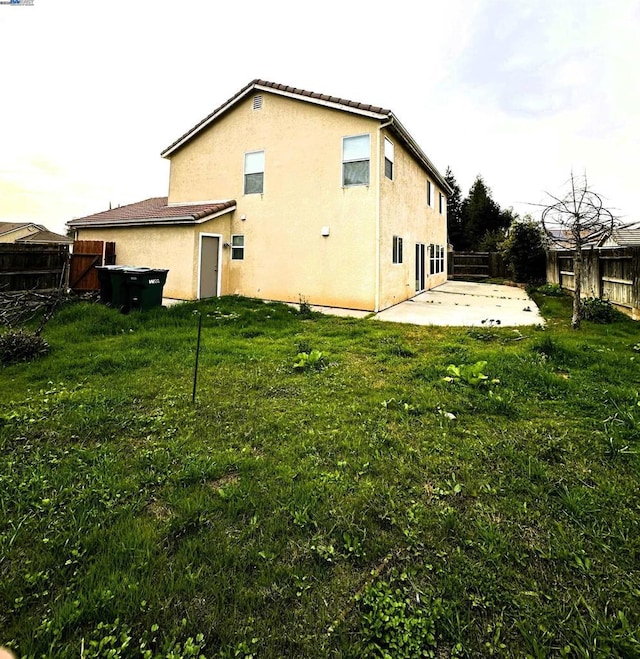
x: 356, y: 152
x: 237, y: 247
x: 254, y: 172
x: 388, y: 158
x: 397, y: 249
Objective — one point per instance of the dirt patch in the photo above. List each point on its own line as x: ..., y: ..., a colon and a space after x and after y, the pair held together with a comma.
x: 228, y: 479
x: 160, y: 511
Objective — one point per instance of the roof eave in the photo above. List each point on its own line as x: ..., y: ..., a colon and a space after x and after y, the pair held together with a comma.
x: 397, y: 126
x: 147, y: 221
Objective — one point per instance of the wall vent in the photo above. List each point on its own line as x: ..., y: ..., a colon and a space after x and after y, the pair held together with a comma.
x: 257, y: 102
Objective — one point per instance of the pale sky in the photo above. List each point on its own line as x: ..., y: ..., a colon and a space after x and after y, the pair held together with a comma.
x: 521, y: 92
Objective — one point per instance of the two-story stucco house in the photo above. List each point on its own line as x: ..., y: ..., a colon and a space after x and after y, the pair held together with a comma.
x: 284, y: 194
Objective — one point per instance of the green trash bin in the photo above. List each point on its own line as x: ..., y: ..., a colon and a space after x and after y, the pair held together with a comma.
x: 143, y: 287
x: 111, y: 278
x: 118, y: 286
x: 106, y: 290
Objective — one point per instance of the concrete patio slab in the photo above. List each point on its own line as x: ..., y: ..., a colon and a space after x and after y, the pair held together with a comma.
x: 454, y: 303
x: 467, y: 304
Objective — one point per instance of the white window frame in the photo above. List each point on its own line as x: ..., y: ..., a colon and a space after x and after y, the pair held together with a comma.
x: 441, y: 203
x: 257, y: 171
x: 436, y: 259
x: 237, y: 248
x: 397, y: 255
x: 357, y: 159
x: 389, y: 156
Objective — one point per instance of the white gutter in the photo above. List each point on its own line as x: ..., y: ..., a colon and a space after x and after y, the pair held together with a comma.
x: 419, y: 154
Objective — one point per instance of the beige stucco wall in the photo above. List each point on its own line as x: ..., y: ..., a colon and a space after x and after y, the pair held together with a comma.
x: 22, y: 232
x: 404, y: 212
x: 286, y: 257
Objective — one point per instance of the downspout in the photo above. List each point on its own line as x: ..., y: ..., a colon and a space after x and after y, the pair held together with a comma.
x: 379, y: 180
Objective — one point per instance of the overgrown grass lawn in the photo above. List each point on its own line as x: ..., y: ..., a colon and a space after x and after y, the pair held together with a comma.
x: 369, y: 502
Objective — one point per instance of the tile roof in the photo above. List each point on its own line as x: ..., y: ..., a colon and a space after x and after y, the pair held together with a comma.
x: 154, y: 211
x: 626, y: 237
x: 45, y: 237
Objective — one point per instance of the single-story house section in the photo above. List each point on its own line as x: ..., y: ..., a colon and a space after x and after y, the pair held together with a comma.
x: 29, y: 233
x: 285, y: 194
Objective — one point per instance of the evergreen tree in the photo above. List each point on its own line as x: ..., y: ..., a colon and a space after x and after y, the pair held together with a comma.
x: 482, y: 219
x: 455, y: 228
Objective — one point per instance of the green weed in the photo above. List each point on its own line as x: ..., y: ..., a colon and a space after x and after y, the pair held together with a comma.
x: 311, y: 361
x: 374, y: 509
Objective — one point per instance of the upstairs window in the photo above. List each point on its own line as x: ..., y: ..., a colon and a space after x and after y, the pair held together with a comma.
x: 356, y: 152
x: 429, y: 193
x: 388, y: 159
x: 441, y: 203
x: 397, y: 249
x: 237, y: 247
x: 254, y: 172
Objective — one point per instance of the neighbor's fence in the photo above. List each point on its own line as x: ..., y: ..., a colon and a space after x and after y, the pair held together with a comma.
x: 607, y: 272
x: 32, y: 267
x: 87, y: 255
x: 475, y: 265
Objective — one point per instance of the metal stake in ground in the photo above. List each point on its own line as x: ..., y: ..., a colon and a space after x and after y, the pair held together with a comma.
x: 195, y: 371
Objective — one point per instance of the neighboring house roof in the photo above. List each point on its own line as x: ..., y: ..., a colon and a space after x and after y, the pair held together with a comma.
x: 8, y: 227
x: 45, y: 237
x: 155, y: 211
x: 623, y: 237
x: 562, y: 239
x: 333, y: 102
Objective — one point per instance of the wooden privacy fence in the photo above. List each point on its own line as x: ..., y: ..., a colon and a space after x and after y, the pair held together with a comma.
x: 32, y: 267
x: 87, y: 254
x: 475, y: 265
x: 607, y: 272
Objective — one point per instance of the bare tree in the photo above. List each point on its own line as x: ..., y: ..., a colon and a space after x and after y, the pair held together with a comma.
x: 577, y: 219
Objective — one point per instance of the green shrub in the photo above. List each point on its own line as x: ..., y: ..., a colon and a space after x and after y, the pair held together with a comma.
x: 598, y: 310
x: 21, y: 346
x: 524, y: 251
x: 554, y: 290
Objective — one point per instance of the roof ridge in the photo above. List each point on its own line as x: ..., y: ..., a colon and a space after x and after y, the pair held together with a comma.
x: 276, y: 86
